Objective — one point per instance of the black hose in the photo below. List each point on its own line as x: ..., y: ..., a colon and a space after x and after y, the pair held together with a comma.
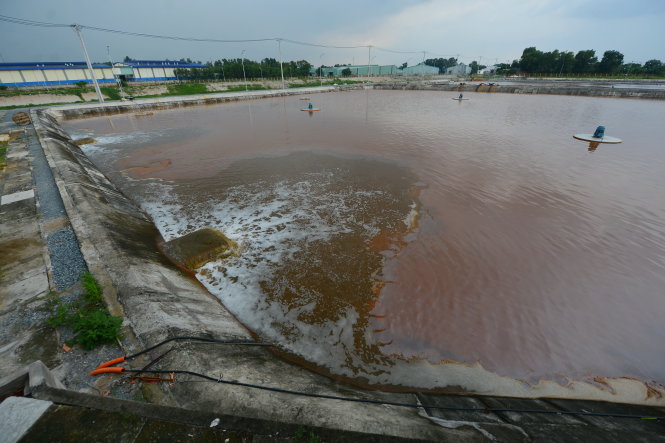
x: 392, y: 403
x: 202, y: 339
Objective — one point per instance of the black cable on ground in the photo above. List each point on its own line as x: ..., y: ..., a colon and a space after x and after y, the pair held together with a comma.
x: 401, y: 404
x: 201, y: 339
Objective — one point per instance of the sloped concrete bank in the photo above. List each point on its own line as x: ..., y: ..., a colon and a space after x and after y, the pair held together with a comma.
x: 154, y: 104
x: 157, y: 301
x: 552, y: 88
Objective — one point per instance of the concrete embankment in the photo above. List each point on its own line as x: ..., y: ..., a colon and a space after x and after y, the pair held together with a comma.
x: 158, y: 300
x: 548, y: 88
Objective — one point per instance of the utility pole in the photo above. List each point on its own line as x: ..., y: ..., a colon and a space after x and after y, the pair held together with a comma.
x: 117, y: 80
x: 281, y: 67
x: 369, y: 59
x: 77, y: 28
x: 242, y: 60
x: 423, y: 68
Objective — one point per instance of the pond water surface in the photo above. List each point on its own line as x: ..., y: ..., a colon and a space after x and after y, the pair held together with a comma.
x: 395, y: 234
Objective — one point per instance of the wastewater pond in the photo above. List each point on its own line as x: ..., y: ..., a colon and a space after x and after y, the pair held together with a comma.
x: 404, y: 239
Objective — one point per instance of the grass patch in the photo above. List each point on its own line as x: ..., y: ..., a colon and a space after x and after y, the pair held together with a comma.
x: 325, y: 83
x: 78, y: 90
x: 242, y: 88
x: 111, y: 92
x: 303, y: 435
x: 186, y: 89
x: 3, y: 154
x: 87, y: 317
x: 30, y: 105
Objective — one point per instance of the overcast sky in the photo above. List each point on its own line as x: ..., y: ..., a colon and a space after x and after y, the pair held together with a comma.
x: 497, y: 30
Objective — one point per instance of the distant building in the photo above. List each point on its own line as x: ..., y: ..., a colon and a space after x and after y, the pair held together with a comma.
x: 460, y: 69
x: 420, y: 69
x: 152, y: 70
x: 63, y: 73
x: 51, y: 73
x: 356, y: 70
x: 489, y: 69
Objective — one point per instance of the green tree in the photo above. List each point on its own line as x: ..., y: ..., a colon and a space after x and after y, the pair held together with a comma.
x: 441, y: 63
x: 404, y: 65
x: 346, y: 72
x: 611, y: 62
x: 475, y: 67
x: 505, y: 69
x: 654, y: 67
x: 531, y: 60
x: 585, y: 62
x: 632, y: 69
x: 567, y: 62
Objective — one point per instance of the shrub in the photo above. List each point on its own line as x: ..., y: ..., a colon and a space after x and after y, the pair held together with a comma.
x: 96, y: 327
x: 111, y: 92
x: 88, y: 317
x: 93, y: 290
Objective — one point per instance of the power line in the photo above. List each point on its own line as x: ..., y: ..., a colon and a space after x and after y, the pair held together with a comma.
x: 316, y: 45
x: 168, y: 37
x: 20, y: 21
x: 26, y: 22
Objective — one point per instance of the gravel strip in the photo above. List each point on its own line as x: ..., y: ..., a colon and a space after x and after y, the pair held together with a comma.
x: 50, y: 202
x: 67, y: 261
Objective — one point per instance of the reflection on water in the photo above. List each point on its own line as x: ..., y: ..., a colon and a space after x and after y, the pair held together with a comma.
x: 392, y: 229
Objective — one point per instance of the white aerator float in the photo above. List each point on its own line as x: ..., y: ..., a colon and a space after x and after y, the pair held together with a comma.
x: 597, y: 138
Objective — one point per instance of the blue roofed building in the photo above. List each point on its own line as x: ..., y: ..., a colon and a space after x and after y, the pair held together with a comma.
x: 63, y: 73
x: 152, y: 70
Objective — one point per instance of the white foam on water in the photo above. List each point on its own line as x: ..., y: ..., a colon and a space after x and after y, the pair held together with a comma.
x: 270, y: 224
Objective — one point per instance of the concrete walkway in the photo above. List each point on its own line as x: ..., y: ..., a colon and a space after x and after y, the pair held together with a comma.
x: 40, y: 258
x: 24, y: 259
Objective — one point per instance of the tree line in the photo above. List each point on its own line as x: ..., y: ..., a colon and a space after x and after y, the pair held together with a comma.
x: 586, y: 62
x: 233, y: 69
x: 533, y: 61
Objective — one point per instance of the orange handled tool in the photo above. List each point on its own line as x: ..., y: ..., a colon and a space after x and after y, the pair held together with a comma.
x: 107, y: 370
x: 113, y: 362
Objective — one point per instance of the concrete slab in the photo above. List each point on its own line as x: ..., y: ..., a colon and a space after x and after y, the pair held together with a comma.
x: 616, y: 423
x: 17, y: 155
x: 16, y: 228
x: 18, y: 415
x: 17, y: 196
x: 35, y: 285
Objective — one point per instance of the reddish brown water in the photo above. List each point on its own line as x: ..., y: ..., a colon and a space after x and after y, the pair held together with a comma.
x: 530, y: 254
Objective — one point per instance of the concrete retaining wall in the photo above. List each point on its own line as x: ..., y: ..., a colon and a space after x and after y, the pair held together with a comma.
x: 547, y: 88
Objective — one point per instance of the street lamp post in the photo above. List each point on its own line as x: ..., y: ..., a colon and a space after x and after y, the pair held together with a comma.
x: 281, y: 63
x: 242, y: 61
x: 321, y: 69
x: 422, y: 69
